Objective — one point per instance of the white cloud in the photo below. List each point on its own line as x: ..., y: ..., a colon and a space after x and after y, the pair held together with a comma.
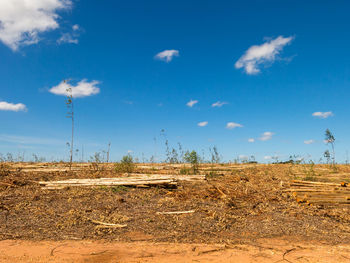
x: 267, y: 157
x: 266, y: 136
x: 191, y: 103
x: 203, y: 124
x: 82, y: 89
x: 309, y: 141
x: 67, y: 38
x: 6, y: 106
x: 232, y: 125
x: 260, y: 54
x: 75, y: 27
x: 251, y: 140
x: 322, y: 115
x: 129, y: 151
x: 219, y: 104
x: 70, y: 38
x: 243, y: 157
x: 21, y: 21
x: 167, y: 55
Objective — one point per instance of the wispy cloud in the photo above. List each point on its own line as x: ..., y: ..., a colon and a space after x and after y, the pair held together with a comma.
x: 75, y: 27
x: 309, y: 141
x: 251, y: 140
x: 261, y: 54
x: 267, y: 157
x: 21, y: 21
x: 167, y: 55
x: 30, y: 140
x: 191, y: 103
x: 322, y: 115
x: 243, y: 157
x: 203, y: 124
x: 67, y: 38
x: 219, y: 104
x: 6, y: 106
x: 232, y: 125
x: 266, y: 136
x: 70, y: 37
x: 82, y: 89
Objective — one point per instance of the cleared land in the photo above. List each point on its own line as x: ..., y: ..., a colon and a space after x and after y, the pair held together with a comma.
x: 236, y: 209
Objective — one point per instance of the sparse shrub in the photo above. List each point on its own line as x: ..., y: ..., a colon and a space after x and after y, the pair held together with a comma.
x: 9, y: 158
x: 95, y: 161
x: 327, y: 155
x: 215, y: 156
x: 185, y: 171
x: 193, y: 159
x: 213, y: 174
x: 4, y: 170
x: 126, y: 165
x: 119, y: 188
x: 310, y: 173
x: 38, y: 159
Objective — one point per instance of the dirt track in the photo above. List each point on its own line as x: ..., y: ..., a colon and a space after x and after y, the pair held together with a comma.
x: 271, y: 250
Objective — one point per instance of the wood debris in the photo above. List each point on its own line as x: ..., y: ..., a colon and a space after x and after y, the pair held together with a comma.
x: 176, y: 212
x: 139, y: 180
x: 320, y: 193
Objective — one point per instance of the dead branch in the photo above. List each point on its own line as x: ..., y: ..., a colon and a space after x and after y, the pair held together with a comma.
x: 175, y: 212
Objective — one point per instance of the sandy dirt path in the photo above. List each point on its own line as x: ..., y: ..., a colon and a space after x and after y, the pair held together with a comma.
x: 98, y: 251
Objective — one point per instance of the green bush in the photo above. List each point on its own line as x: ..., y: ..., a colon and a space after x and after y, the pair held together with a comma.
x: 126, y: 165
x: 193, y: 159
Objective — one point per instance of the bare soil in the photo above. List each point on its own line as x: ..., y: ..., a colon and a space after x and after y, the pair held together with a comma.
x: 265, y: 251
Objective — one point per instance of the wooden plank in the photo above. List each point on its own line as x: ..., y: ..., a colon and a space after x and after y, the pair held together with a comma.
x: 315, y: 183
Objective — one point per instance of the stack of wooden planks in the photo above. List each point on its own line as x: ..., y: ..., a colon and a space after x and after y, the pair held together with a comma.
x: 320, y: 193
x: 136, y: 180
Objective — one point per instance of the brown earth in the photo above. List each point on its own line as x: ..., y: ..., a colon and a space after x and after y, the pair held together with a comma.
x: 243, y: 210
x: 271, y: 250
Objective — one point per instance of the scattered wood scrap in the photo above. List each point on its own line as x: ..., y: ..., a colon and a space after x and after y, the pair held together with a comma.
x: 139, y: 180
x: 103, y: 224
x: 176, y: 212
x: 320, y: 193
x: 7, y: 184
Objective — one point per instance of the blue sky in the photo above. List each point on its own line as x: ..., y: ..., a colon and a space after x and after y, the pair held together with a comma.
x: 273, y: 63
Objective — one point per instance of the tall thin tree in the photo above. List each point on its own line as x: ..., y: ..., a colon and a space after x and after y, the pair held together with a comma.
x: 330, y: 139
x: 70, y: 114
x: 108, y: 150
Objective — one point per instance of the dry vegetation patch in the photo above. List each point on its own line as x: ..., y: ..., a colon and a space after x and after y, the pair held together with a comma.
x: 237, y: 203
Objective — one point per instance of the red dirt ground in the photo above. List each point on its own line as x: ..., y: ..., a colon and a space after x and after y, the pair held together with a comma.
x: 266, y: 250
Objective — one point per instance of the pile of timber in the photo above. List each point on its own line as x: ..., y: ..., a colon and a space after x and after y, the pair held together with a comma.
x: 136, y: 180
x: 320, y: 193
